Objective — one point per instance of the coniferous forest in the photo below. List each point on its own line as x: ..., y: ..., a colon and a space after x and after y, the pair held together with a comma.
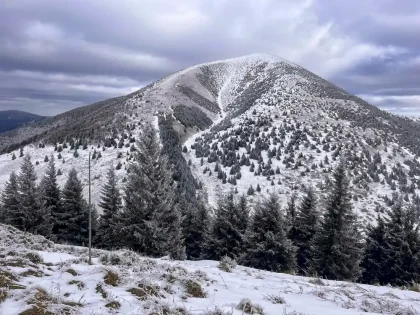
x: 154, y: 215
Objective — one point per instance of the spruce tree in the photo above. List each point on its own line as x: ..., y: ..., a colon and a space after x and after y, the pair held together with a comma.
x: 29, y: 198
x: 291, y: 214
x: 227, y: 233
x: 267, y: 245
x: 401, y: 259
x: 338, y: 248
x: 108, y: 235
x: 374, y: 271
x: 12, y: 212
x: 74, y: 217
x: 305, y: 226
x: 195, y: 228
x: 151, y: 221
x: 50, y: 198
x: 291, y: 209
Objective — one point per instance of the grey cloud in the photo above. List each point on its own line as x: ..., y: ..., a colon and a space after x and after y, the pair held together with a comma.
x: 77, y: 52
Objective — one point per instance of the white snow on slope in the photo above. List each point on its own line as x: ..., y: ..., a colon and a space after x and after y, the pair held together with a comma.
x: 63, y: 280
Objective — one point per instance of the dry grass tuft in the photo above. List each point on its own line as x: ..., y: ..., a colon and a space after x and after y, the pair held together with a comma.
x: 72, y: 272
x: 34, y: 258
x: 113, y: 304
x: 275, y: 299
x: 144, y: 291
x: 112, y: 278
x: 414, y: 287
x: 8, y: 280
x: 32, y: 273
x: 194, y: 289
x: 316, y: 281
x: 246, y: 306
x: 227, y: 264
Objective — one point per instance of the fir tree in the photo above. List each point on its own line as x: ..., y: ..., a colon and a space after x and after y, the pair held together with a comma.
x: 12, y: 212
x: 305, y: 226
x: 402, y: 255
x: 250, y: 191
x: 107, y: 235
x: 152, y: 224
x: 29, y: 201
x: 74, y: 217
x: 338, y: 248
x: 227, y: 234
x: 50, y: 198
x: 267, y: 245
x: 374, y: 255
x: 195, y: 228
x: 291, y: 213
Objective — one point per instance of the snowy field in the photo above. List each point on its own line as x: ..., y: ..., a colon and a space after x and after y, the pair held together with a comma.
x: 40, y: 277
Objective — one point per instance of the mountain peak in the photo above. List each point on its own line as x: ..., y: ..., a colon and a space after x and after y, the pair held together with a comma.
x: 253, y: 58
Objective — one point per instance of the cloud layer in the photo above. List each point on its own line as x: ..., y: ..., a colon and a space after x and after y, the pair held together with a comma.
x: 57, y: 55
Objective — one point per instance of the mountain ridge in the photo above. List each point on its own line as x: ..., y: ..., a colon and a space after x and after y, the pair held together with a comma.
x: 12, y: 119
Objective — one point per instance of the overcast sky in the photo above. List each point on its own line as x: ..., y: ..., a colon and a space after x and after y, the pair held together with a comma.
x: 57, y: 55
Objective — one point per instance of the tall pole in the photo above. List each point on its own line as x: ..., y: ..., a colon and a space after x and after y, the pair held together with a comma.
x: 90, y: 220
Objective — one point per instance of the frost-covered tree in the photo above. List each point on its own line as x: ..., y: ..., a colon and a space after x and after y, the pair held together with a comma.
x: 74, y: 217
x: 374, y: 254
x: 29, y: 198
x: 402, y: 256
x: 11, y: 211
x: 291, y: 214
x: 267, y: 245
x: 50, y: 197
x: 291, y: 208
x: 228, y: 230
x: 151, y: 221
x: 338, y: 248
x: 305, y: 226
x: 195, y: 228
x: 108, y: 234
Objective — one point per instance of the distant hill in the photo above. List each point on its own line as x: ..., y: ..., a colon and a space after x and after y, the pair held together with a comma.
x: 11, y: 119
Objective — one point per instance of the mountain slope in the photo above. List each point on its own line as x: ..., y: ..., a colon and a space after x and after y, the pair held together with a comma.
x: 255, y: 120
x: 12, y: 119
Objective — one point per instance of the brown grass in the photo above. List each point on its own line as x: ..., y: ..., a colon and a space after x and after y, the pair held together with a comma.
x: 194, y: 289
x: 8, y: 280
x: 3, y: 295
x: 112, y: 278
x: 32, y: 273
x: 143, y: 291
x: 42, y: 300
x: 72, y: 272
x: 34, y: 258
x: 113, y: 304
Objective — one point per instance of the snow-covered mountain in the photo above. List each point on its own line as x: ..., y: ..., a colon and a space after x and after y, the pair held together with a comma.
x: 256, y: 120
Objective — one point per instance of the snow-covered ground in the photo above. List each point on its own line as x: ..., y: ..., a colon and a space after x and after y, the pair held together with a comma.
x: 38, y: 275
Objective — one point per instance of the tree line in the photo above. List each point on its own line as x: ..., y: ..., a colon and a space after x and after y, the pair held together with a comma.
x: 306, y: 237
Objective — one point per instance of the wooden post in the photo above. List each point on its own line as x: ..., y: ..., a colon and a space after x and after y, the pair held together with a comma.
x: 90, y: 220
